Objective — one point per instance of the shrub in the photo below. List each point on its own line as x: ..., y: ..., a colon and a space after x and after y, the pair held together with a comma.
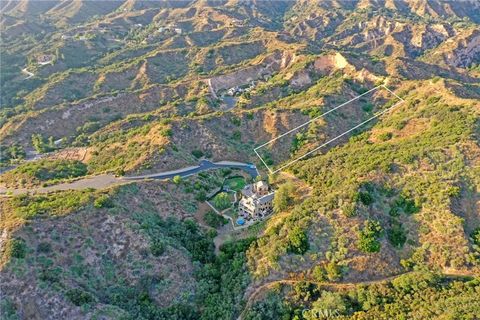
x: 318, y: 274
x: 368, y: 244
x: 166, y: 132
x: 12, y: 152
x: 385, y: 136
x: 364, y: 198
x: 157, y: 248
x: 225, y: 171
x: 103, y: 201
x: 475, y: 235
x: 41, y: 145
x: 330, y: 301
x: 237, y: 135
x: 201, y: 196
x: 197, y: 153
x: 236, y: 121
x: 348, y: 209
x: 45, y: 170
x: 44, y: 247
x: 396, y: 235
x: 177, y: 179
x: 50, y: 274
x: 406, y: 205
x: 17, y: 248
x: 27, y: 207
x: 367, y: 107
x: 78, y: 297
x: 298, y: 141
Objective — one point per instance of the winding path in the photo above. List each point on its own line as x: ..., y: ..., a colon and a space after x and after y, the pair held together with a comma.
x: 108, y: 180
x: 454, y: 274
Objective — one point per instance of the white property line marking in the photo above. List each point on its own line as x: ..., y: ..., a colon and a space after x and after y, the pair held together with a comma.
x: 316, y: 118
x: 333, y: 139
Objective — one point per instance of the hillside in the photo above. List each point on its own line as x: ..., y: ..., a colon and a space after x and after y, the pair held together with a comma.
x: 389, y: 92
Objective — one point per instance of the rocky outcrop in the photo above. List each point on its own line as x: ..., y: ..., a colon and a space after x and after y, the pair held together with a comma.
x: 466, y: 52
x: 272, y: 63
x: 328, y: 63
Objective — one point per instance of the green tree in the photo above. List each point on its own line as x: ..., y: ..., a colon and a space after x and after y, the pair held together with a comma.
x: 318, y: 273
x: 332, y: 301
x: 415, y: 281
x: 396, y: 235
x: 214, y: 220
x: 333, y: 270
x: 222, y: 201
x: 17, y: 248
x: 475, y: 235
x: 157, y: 248
x: 364, y: 197
x: 197, y: 153
x: 177, y: 179
x: 17, y: 151
x: 284, y: 196
x: 297, y: 241
x: 368, y: 242
x: 38, y: 143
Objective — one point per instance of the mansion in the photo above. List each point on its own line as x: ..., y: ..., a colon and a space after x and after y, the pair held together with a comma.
x: 256, y: 201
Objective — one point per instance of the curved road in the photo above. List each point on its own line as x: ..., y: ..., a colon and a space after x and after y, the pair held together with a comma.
x: 204, y: 165
x: 108, y: 180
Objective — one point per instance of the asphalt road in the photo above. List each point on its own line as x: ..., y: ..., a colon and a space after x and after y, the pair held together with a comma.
x: 203, y: 166
x: 107, y: 180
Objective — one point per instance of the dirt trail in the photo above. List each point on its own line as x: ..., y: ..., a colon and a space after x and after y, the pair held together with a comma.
x: 450, y: 273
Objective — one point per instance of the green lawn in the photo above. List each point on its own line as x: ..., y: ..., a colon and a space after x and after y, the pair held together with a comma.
x: 235, y: 183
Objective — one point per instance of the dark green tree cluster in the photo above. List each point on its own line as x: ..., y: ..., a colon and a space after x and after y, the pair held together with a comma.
x: 396, y: 234
x: 41, y: 144
x: 368, y: 237
x: 214, y: 220
x: 297, y: 241
x: 476, y: 236
x: 16, y: 248
x: 416, y: 295
x: 11, y: 152
x: 222, y: 282
x: 284, y: 196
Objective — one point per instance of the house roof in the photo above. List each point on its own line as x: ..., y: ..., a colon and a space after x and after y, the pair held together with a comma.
x: 248, y: 192
x: 261, y: 184
x: 266, y: 198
